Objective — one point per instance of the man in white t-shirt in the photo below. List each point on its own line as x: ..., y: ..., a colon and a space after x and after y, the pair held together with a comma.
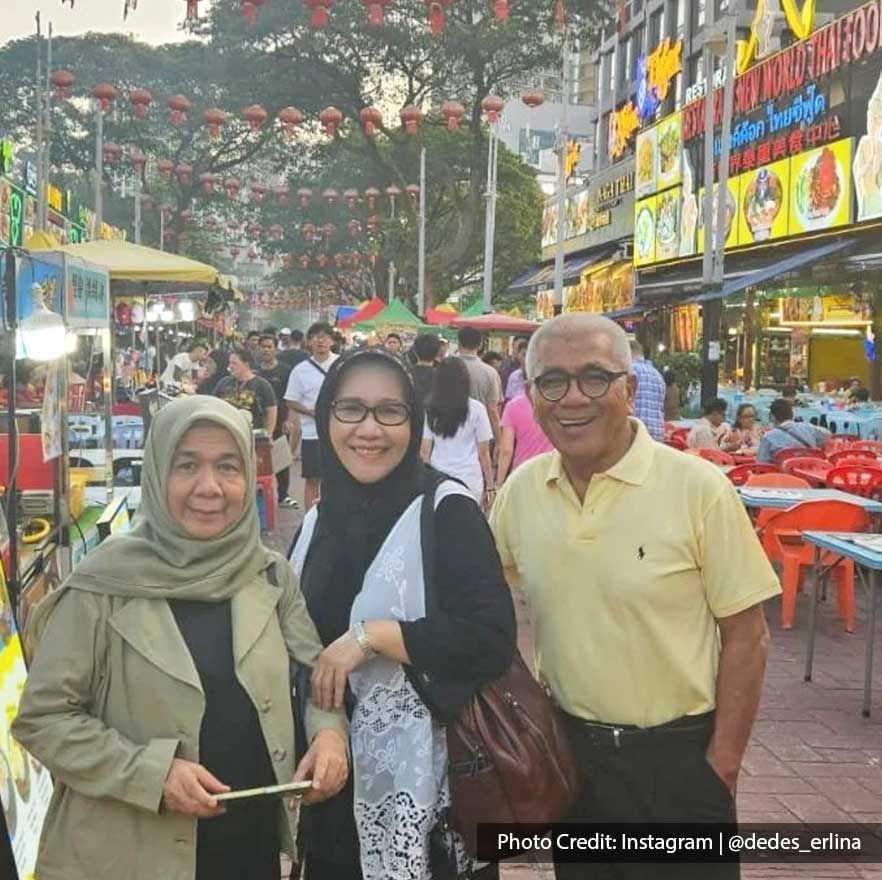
x: 184, y: 367
x: 304, y: 385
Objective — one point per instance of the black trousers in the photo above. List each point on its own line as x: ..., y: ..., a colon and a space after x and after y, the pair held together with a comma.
x: 649, y: 778
x: 283, y: 482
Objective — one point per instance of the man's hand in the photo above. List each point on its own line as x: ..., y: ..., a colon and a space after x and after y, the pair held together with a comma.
x: 728, y: 772
x: 189, y: 789
x: 326, y: 764
x: 331, y: 672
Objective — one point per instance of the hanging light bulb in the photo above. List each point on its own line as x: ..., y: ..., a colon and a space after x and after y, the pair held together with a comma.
x: 42, y: 335
x: 187, y: 310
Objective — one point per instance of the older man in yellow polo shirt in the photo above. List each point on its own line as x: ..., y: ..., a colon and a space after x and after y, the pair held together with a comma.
x: 645, y: 581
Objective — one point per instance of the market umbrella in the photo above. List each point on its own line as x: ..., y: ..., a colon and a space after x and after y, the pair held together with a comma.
x: 496, y: 322
x: 365, y: 311
x: 443, y: 315
x: 396, y: 315
x: 475, y: 309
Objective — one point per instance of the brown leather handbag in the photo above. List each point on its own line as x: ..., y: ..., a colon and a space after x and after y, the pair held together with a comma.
x: 510, y: 759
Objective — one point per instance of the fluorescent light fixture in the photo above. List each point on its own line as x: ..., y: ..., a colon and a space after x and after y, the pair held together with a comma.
x: 41, y: 336
x: 187, y: 310
x: 70, y: 343
x: 167, y: 315
x: 834, y: 331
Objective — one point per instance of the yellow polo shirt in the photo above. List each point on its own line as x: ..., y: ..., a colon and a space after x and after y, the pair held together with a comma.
x: 625, y: 589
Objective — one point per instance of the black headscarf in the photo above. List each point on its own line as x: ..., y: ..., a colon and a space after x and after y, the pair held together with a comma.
x: 354, y: 518
x: 207, y: 386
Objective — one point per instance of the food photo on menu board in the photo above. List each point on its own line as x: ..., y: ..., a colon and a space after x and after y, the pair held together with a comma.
x: 670, y: 151
x: 667, y: 225
x: 729, y: 217
x: 25, y: 785
x: 644, y: 231
x: 647, y: 162
x: 868, y: 161
x: 821, y: 188
x: 764, y: 208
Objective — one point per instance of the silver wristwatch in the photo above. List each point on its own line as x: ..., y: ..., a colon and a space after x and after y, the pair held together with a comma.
x: 364, y: 642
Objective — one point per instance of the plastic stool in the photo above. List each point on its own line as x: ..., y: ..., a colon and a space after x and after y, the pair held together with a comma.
x: 267, y: 486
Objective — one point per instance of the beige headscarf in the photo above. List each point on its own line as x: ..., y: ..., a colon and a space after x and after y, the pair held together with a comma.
x: 158, y: 558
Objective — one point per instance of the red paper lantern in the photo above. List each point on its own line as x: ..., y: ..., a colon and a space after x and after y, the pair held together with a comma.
x: 258, y: 192
x: 330, y: 119
x: 304, y: 196
x: 329, y: 230
x: 192, y: 10
x: 140, y: 99
x: 371, y: 119
x: 393, y: 192
x: 500, y: 10
x: 184, y: 174
x: 373, y: 222
x: 308, y: 232
x: 304, y: 261
x: 436, y: 14
x: 355, y: 257
x: 338, y: 260
x: 105, y: 94
x: 180, y: 107
x: 254, y: 230
x: 255, y: 115
x: 375, y: 9
x: 372, y: 194
x: 62, y: 80
x: 111, y: 152
x: 354, y: 227
x: 534, y: 98
x: 331, y: 196
x: 320, y: 10
x: 290, y: 117
x: 250, y: 10
x: 186, y: 217
x: 413, y: 191
x: 235, y: 251
x: 169, y: 235
x: 283, y: 194
x: 214, y: 118
x: 351, y: 198
x: 232, y: 186
x: 166, y: 168
x: 139, y: 163
x: 182, y: 237
x: 167, y: 211
x: 147, y: 201
x: 276, y: 232
x: 493, y: 105
x: 206, y: 181
x: 322, y: 260
x: 453, y: 112
x: 287, y: 261
x: 411, y: 117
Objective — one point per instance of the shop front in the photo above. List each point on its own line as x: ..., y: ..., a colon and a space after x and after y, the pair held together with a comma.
x: 802, y: 208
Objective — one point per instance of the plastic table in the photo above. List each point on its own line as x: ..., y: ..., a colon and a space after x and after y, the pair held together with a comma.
x: 867, y: 425
x: 781, y: 499
x: 870, y: 560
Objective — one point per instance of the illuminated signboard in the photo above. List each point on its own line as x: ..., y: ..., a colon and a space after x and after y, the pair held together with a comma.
x: 623, y: 125
x: 800, y: 19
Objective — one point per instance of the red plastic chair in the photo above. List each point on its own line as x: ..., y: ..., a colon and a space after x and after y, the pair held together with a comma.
x: 669, y: 428
x: 851, y: 452
x: 773, y: 481
x: 717, y: 456
x: 840, y: 441
x: 797, y: 452
x: 680, y: 434
x: 857, y: 479
x: 783, y: 543
x: 856, y: 461
x: 874, y: 446
x: 809, y: 462
x: 676, y: 443
x: 741, y: 473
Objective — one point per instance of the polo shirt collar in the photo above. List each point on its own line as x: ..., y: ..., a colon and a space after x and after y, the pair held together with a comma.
x: 632, y: 468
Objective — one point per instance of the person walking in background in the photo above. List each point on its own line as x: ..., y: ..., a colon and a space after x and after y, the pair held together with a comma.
x: 426, y: 348
x: 493, y: 359
x: 521, y: 438
x: 649, y: 399
x: 645, y: 581
x: 277, y: 375
x: 514, y: 385
x: 392, y: 344
x: 214, y: 368
x: 252, y: 342
x: 672, y: 397
x: 710, y: 432
x: 304, y: 385
x: 244, y: 389
x: 789, y: 434
x: 484, y: 382
x: 457, y: 434
x: 513, y: 362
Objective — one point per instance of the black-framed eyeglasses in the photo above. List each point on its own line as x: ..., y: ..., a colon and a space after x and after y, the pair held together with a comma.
x: 593, y: 382
x: 352, y: 412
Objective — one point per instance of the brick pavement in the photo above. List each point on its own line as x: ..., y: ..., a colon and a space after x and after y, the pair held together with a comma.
x: 811, y: 757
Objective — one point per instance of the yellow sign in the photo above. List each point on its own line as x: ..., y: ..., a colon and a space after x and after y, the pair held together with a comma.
x: 843, y: 309
x: 670, y: 151
x: 820, y: 195
x: 56, y: 199
x: 667, y: 224
x: 730, y: 216
x: 644, y: 231
x: 800, y: 20
x: 623, y: 124
x: 662, y: 65
x: 764, y: 208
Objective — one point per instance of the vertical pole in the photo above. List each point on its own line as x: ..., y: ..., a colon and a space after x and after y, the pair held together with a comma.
x: 562, y: 184
x: 162, y: 230
x: 421, y: 273
x: 38, y: 100
x: 99, y: 170
x: 47, y: 130
x: 390, y: 294
x: 489, y: 221
x: 12, y: 464
x: 137, y: 189
x: 726, y: 134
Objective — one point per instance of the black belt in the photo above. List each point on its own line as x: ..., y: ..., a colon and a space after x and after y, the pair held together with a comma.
x: 617, y: 736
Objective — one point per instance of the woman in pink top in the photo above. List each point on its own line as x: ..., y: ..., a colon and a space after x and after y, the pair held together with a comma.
x: 521, y: 438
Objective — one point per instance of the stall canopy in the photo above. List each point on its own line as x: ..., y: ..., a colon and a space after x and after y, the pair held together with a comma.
x: 366, y: 310
x: 443, y: 315
x: 132, y: 265
x: 802, y: 259
x: 543, y: 276
x: 395, y: 315
x: 496, y: 322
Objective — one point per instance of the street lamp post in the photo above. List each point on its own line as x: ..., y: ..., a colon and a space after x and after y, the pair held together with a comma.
x: 99, y: 170
x: 562, y: 183
x: 38, y: 99
x: 421, y: 272
x: 490, y: 215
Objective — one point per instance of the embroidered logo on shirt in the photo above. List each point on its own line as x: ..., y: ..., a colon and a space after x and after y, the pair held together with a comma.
x: 641, y: 553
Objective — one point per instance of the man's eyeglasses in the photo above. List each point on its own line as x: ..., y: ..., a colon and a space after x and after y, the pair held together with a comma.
x: 352, y: 412
x: 593, y: 382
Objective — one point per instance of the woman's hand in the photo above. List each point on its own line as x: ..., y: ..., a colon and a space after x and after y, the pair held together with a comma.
x: 326, y: 764
x: 331, y: 671
x: 189, y: 789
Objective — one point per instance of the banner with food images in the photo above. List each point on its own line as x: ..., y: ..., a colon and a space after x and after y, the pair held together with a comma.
x: 764, y: 206
x: 644, y: 231
x: 647, y: 162
x: 730, y: 215
x: 670, y: 151
x: 667, y: 224
x: 820, y: 183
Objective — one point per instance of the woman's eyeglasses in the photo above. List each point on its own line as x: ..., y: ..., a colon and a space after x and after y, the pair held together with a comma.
x: 352, y: 412
x: 593, y: 382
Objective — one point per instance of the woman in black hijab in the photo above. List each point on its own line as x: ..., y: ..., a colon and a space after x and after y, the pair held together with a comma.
x: 216, y: 369
x: 360, y: 562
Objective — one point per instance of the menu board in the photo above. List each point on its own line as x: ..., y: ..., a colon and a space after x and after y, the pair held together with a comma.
x: 821, y: 188
x: 644, y: 231
x: 731, y: 213
x: 764, y: 206
x: 25, y: 785
x: 667, y: 224
x: 670, y: 151
x: 825, y: 309
x: 647, y: 162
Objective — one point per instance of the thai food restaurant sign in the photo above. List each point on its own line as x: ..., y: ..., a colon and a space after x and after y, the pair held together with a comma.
x: 805, y: 149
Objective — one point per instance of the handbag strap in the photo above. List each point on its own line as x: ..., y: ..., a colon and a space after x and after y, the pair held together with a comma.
x: 427, y: 544
x: 321, y: 369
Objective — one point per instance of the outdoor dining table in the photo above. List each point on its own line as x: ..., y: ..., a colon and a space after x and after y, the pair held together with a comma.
x: 781, y: 499
x: 865, y: 557
x: 867, y: 425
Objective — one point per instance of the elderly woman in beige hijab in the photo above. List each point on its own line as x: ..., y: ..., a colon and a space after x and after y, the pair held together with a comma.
x: 161, y: 678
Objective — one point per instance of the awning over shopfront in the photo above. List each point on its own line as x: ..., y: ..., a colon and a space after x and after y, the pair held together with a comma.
x: 632, y: 312
x: 776, y: 270
x: 543, y: 276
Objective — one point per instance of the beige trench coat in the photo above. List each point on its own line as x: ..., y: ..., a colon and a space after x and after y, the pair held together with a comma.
x: 113, y: 696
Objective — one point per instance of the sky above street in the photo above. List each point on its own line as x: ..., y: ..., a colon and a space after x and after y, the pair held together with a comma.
x: 154, y: 21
